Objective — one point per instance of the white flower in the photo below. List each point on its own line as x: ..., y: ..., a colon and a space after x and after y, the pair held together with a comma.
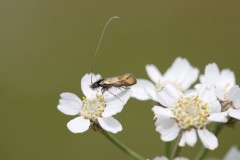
x: 226, y: 91
x: 232, y: 154
x: 181, y: 74
x: 95, y: 109
x: 165, y: 158
x: 222, y: 81
x: 188, y: 115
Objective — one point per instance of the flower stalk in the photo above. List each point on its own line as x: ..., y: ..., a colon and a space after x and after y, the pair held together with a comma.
x: 168, y: 149
x: 176, y: 149
x: 121, y: 146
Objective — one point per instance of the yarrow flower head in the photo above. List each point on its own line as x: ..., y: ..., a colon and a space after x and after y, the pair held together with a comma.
x: 188, y: 114
x: 181, y: 74
x: 225, y: 86
x: 95, y: 109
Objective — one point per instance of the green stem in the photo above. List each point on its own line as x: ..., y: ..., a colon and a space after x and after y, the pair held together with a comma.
x: 176, y: 149
x: 168, y: 149
x: 203, y: 151
x: 120, y: 145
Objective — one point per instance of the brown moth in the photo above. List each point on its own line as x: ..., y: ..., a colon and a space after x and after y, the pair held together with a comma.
x: 124, y: 80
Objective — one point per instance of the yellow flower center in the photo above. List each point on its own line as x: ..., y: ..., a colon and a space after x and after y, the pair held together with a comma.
x: 190, y: 112
x: 92, y: 109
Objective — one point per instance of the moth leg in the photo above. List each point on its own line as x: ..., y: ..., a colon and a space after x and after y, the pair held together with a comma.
x: 120, y: 88
x: 103, y: 90
x: 115, y: 95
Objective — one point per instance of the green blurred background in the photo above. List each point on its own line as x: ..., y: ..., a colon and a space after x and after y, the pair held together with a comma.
x: 46, y: 46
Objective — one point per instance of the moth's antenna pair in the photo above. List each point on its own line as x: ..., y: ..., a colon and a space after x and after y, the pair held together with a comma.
x: 100, y: 40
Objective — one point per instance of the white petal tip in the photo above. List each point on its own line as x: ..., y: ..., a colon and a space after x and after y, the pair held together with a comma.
x: 78, y: 125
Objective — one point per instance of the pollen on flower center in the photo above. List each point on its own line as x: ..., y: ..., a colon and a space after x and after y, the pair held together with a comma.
x: 190, y: 112
x: 92, y: 109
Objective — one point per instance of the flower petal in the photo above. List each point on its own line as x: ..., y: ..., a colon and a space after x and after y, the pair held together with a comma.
x: 86, y: 82
x: 168, y: 95
x: 182, y: 142
x: 160, y: 111
x: 144, y: 90
x: 232, y: 154
x: 69, y: 104
x: 112, y: 92
x: 119, y: 99
x: 167, y: 127
x: 234, y: 113
x: 181, y: 73
x: 208, y: 139
x: 206, y: 92
x: 190, y: 78
x: 227, y: 78
x: 153, y: 73
x: 214, y: 106
x: 220, y: 93
x: 211, y: 75
x: 112, y: 110
x: 218, y: 117
x: 234, y: 95
x: 78, y: 125
x: 190, y: 138
x: 70, y: 96
x: 174, y: 71
x: 207, y: 95
x: 110, y: 124
x: 171, y: 134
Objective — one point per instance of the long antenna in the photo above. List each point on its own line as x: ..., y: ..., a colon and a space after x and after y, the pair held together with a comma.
x: 100, y: 40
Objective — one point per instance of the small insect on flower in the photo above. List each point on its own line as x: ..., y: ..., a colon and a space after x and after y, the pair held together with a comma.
x: 123, y: 81
x: 96, y: 110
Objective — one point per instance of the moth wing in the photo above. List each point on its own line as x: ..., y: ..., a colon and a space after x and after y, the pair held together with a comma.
x: 111, y: 80
x: 128, y: 80
x: 119, y: 81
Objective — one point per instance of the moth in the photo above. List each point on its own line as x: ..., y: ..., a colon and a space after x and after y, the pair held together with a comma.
x: 123, y: 81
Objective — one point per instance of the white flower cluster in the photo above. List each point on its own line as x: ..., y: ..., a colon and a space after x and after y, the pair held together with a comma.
x: 184, y: 111
x: 179, y: 110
